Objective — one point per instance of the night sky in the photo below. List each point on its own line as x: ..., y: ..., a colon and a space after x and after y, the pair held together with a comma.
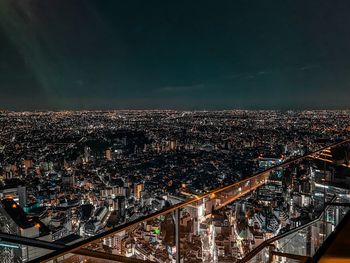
x: 85, y: 54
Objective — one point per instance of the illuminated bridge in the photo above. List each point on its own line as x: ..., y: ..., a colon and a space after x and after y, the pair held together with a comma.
x: 292, y: 212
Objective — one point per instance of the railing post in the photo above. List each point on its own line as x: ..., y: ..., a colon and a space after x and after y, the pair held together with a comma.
x: 177, y: 234
x: 272, y: 257
x: 324, y: 202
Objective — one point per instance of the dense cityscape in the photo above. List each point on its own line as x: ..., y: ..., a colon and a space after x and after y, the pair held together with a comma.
x: 72, y: 175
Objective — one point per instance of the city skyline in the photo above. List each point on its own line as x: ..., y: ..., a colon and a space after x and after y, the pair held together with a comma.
x: 81, y: 55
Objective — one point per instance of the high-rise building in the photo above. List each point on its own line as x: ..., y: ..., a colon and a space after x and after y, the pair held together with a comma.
x: 108, y: 155
x: 87, y: 154
x: 27, y: 164
x: 22, y: 195
x: 68, y: 180
x: 138, y: 188
x: 119, y: 205
x: 172, y: 145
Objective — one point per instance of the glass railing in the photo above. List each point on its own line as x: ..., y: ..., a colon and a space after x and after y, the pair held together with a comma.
x: 149, y: 240
x: 185, y: 227
x: 305, y: 240
x: 230, y: 223
x: 14, y: 252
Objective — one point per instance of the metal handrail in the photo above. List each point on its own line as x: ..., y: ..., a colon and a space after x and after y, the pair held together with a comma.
x: 113, y: 231
x: 37, y: 243
x: 267, y: 242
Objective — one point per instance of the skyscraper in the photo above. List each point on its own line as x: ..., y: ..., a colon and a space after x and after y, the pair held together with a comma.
x: 138, y: 188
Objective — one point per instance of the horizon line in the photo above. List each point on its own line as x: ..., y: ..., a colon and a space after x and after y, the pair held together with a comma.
x: 180, y: 110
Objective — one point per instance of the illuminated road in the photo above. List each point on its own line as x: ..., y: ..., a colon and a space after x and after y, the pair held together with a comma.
x: 242, y: 189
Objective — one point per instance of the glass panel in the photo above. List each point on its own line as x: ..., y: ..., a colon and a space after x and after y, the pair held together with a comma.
x: 219, y: 226
x: 308, y: 240
x: 261, y: 257
x: 11, y: 252
x: 149, y: 240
